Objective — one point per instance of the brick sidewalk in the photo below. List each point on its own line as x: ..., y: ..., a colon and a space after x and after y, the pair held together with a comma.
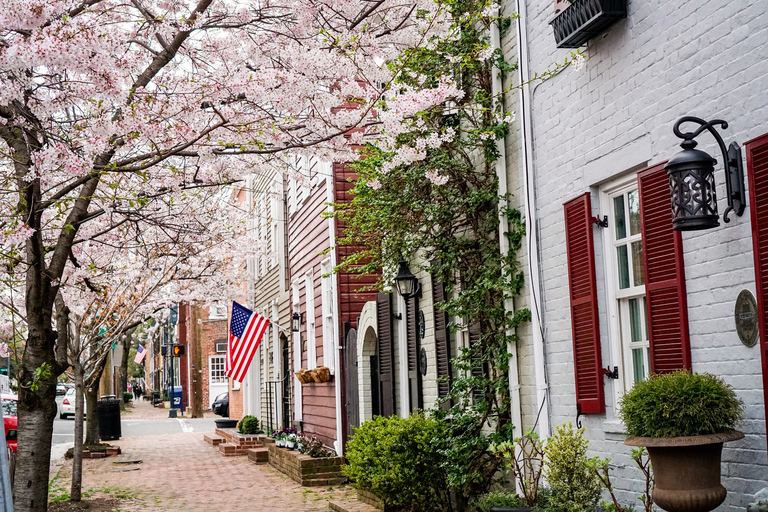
x: 143, y: 410
x: 182, y: 472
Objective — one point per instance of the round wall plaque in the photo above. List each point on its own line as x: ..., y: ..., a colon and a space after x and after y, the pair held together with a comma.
x: 745, y: 316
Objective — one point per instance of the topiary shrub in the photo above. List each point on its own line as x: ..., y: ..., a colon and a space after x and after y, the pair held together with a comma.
x: 574, y: 486
x: 680, y: 404
x: 248, y: 425
x: 127, y: 396
x: 400, y: 460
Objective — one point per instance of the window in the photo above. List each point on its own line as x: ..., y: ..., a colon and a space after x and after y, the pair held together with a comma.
x: 328, y: 301
x: 217, y: 312
x: 629, y: 283
x: 216, y: 367
x: 309, y: 289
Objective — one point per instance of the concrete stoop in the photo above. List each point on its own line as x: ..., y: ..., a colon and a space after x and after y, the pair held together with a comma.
x: 231, y: 443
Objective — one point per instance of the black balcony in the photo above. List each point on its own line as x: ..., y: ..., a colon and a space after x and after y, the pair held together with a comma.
x: 585, y: 19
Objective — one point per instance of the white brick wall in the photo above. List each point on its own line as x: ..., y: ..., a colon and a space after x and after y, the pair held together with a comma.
x: 666, y: 60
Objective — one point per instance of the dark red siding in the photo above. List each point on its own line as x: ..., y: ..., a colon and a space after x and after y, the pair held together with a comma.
x: 309, y: 236
x: 757, y: 174
x: 664, y: 275
x: 588, y: 366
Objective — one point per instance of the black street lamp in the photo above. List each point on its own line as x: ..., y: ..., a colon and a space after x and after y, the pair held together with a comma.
x: 692, y: 179
x: 296, y: 322
x: 407, y: 283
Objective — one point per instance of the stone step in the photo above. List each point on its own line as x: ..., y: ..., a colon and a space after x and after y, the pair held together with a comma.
x: 213, y: 439
x: 317, y: 482
x: 351, y: 506
x: 258, y: 455
x: 229, y: 450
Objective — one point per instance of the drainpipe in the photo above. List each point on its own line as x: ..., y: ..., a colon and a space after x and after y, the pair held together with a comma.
x: 509, y: 306
x: 526, y: 95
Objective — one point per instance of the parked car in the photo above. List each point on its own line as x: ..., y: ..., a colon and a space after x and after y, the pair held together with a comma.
x: 10, y: 422
x: 61, y: 389
x: 67, y: 407
x: 220, y: 405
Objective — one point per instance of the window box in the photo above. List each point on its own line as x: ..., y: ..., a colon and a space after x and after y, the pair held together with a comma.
x: 584, y: 19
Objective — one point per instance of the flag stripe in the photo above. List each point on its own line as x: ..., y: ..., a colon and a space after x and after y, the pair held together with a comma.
x: 246, y: 329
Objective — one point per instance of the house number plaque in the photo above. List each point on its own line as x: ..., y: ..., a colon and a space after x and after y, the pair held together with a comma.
x: 745, y: 315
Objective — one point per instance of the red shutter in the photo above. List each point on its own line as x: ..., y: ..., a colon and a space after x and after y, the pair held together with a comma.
x: 667, y: 308
x: 757, y: 173
x: 584, y: 318
x: 386, y: 353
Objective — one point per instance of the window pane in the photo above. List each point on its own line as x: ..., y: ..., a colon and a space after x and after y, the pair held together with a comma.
x: 638, y: 364
x: 634, y: 212
x: 635, y: 319
x: 621, y: 255
x: 638, y: 271
x: 618, y: 212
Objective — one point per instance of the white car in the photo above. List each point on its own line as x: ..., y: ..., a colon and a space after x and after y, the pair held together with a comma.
x: 67, y: 406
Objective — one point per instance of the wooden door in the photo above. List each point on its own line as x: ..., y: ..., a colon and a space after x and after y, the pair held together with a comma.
x: 351, y: 394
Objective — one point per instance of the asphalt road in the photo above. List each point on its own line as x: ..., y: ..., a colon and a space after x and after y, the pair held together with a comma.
x: 64, y: 430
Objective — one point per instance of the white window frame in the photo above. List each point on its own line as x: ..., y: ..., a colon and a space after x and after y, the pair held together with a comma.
x: 327, y: 303
x: 221, y: 377
x: 309, y: 290
x: 618, y: 304
x: 297, y: 397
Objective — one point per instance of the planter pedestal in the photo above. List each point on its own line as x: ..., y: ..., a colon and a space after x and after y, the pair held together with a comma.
x: 686, y: 470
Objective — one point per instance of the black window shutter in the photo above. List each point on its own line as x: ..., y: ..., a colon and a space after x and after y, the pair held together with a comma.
x: 386, y: 354
x: 442, y: 342
x: 414, y: 347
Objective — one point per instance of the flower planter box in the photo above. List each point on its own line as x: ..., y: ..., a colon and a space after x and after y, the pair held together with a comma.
x: 585, y: 19
x: 226, y: 423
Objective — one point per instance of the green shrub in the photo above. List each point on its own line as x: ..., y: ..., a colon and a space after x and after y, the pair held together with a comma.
x: 127, y: 396
x: 680, y: 404
x: 248, y: 425
x: 498, y: 499
x: 573, y: 484
x: 400, y: 460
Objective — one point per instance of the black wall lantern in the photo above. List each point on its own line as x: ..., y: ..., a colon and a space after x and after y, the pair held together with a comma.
x: 406, y: 282
x: 692, y: 179
x: 296, y: 322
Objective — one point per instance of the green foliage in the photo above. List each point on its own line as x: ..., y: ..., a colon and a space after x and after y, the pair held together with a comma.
x: 575, y: 486
x: 40, y: 374
x: 525, y: 456
x: 401, y: 461
x: 498, y: 499
x: 313, y: 447
x: 248, y: 425
x: 680, y: 404
x: 127, y: 396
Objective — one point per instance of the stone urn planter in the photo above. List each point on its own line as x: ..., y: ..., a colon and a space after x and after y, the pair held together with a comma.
x: 687, y: 470
x: 225, y: 423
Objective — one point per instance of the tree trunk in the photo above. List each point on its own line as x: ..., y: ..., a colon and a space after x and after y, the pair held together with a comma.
x: 77, y: 459
x: 92, y: 412
x: 122, y: 373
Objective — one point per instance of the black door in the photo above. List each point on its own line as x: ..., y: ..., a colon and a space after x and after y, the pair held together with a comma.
x: 351, y: 394
x: 286, y: 383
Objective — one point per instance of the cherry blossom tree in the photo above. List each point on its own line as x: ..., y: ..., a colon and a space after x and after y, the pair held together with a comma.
x: 110, y: 112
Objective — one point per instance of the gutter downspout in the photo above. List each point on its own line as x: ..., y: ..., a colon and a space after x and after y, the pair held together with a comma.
x: 526, y: 95
x: 509, y: 306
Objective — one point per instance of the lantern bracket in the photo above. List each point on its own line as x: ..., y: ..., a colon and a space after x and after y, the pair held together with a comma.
x: 734, y: 170
x: 601, y: 223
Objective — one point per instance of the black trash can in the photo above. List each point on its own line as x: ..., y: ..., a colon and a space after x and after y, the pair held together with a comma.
x: 156, y: 398
x: 109, y: 419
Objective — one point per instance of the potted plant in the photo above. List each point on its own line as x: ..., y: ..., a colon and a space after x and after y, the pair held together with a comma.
x: 683, y: 419
x: 280, y: 440
x: 290, y: 441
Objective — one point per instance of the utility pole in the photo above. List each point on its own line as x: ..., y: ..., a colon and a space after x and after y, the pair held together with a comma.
x: 196, y: 359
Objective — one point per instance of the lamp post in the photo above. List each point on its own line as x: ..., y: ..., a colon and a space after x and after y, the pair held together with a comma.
x: 692, y: 179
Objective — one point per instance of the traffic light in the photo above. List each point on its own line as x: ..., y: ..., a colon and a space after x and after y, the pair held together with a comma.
x: 178, y: 350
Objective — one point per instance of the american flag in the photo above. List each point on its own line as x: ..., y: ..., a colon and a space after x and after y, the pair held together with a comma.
x: 245, y: 332
x: 140, y: 354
